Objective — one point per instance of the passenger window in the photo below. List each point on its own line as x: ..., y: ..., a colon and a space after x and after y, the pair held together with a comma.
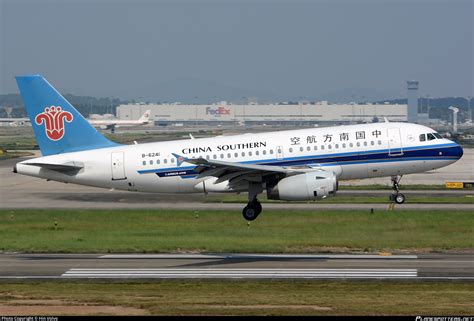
x: 291, y: 150
x: 222, y: 156
x: 365, y: 143
x: 151, y: 162
x: 308, y: 148
x: 329, y: 146
x: 358, y: 144
x: 315, y: 147
x: 264, y: 152
x: 250, y: 153
x: 351, y: 145
x: 257, y: 153
x: 301, y: 149
x: 322, y: 147
x: 271, y: 151
x: 243, y: 154
x: 372, y: 143
x: 144, y: 163
x: 422, y: 137
x: 157, y: 161
x: 207, y: 157
x: 380, y: 142
x: 165, y: 161
x: 336, y: 146
x: 228, y: 155
x: 172, y: 160
x: 214, y: 156
x: 236, y: 155
x: 343, y: 145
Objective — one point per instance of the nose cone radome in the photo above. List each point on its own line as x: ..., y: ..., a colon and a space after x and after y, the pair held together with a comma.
x: 457, y: 151
x: 460, y: 151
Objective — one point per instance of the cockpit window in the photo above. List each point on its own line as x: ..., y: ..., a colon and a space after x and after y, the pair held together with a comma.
x: 430, y: 136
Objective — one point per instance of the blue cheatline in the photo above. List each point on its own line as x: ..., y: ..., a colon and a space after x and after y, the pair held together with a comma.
x: 58, y: 126
x: 432, y: 152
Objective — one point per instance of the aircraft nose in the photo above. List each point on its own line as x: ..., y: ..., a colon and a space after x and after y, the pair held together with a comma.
x: 457, y: 151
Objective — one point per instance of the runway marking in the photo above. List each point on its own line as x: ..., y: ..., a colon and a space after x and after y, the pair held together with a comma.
x: 257, y: 256
x: 243, y: 273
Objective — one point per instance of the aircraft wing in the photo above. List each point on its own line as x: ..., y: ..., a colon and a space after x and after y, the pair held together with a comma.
x: 236, y: 172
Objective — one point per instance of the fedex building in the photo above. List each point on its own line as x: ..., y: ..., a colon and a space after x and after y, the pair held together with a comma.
x: 223, y: 113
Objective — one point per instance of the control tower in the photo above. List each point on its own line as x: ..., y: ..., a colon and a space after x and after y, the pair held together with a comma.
x: 412, y: 95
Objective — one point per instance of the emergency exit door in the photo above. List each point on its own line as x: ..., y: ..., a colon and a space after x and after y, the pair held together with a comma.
x: 394, y: 142
x: 118, y: 166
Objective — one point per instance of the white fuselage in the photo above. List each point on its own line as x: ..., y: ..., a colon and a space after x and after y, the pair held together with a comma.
x: 351, y: 152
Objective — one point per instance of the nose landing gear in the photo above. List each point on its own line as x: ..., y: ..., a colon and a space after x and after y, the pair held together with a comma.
x: 397, y: 197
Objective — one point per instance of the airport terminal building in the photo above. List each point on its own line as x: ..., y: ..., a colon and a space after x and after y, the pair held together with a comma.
x: 223, y: 113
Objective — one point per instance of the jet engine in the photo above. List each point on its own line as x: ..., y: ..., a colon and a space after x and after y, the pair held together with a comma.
x: 303, y: 187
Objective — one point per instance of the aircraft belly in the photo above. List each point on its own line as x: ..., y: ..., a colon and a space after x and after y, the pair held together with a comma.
x: 151, y: 183
x: 354, y: 171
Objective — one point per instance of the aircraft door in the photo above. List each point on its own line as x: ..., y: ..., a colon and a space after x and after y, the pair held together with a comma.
x: 279, y: 152
x: 118, y: 166
x: 394, y: 142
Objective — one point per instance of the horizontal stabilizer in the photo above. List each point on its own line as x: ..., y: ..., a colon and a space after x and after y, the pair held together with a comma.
x: 64, y: 167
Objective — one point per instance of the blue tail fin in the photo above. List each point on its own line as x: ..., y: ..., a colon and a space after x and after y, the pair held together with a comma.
x: 58, y: 126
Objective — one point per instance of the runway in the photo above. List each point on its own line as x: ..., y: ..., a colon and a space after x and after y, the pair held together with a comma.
x: 237, y: 266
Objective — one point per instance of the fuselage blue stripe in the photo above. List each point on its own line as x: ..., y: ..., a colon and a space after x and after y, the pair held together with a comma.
x: 431, y: 152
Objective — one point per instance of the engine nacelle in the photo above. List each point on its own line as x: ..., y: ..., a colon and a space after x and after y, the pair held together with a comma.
x: 304, y: 187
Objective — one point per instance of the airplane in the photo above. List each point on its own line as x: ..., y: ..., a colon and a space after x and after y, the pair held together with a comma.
x: 15, y: 122
x: 115, y: 123
x: 292, y: 165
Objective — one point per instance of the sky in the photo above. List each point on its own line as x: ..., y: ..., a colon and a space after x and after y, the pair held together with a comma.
x: 240, y: 50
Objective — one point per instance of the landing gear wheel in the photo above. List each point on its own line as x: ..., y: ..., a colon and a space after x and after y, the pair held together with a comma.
x: 399, y: 198
x: 258, y: 206
x: 252, y: 210
x: 250, y: 213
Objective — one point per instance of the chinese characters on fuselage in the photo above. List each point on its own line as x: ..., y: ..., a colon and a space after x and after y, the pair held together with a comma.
x: 328, y: 138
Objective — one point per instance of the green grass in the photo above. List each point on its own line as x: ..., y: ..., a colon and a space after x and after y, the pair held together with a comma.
x: 354, y: 199
x: 18, y: 143
x: 226, y: 231
x: 252, y: 297
x: 413, y: 187
x: 13, y: 154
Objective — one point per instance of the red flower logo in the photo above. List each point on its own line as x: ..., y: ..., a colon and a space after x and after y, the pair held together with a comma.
x: 53, y: 119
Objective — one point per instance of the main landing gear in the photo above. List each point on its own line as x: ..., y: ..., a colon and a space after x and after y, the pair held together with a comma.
x: 253, y: 208
x: 397, y: 197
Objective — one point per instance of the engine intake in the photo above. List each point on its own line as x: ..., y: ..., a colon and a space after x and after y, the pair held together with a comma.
x: 304, y: 187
